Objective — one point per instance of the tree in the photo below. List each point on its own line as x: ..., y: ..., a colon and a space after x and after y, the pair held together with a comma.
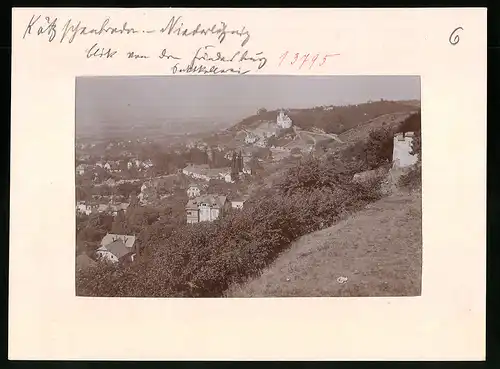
x: 239, y: 162
x: 255, y: 165
x: 197, y: 156
x: 416, y: 145
x: 234, y: 167
x: 272, y: 141
x: 120, y: 225
x: 133, y: 200
x: 379, y: 147
x: 82, y: 194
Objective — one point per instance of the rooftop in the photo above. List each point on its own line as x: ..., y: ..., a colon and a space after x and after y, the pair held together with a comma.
x: 111, y: 237
x: 117, y: 248
x: 216, y: 201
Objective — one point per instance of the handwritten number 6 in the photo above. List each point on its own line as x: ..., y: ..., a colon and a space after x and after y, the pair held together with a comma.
x: 456, y: 39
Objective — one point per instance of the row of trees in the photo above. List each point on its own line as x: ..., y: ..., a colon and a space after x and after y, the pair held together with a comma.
x: 125, y: 190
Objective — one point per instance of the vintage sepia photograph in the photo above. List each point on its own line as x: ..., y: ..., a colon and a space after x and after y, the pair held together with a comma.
x: 248, y: 186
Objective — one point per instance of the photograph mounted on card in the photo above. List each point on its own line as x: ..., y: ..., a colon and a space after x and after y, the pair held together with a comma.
x: 211, y: 174
x: 176, y: 178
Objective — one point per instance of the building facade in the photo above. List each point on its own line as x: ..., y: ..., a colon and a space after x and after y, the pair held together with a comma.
x: 206, y: 208
x: 193, y: 191
x: 283, y: 121
x: 401, y: 154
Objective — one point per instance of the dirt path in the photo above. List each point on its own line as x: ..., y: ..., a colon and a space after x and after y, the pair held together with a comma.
x: 378, y: 250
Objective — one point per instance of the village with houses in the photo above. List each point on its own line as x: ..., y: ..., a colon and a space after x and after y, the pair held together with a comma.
x: 126, y: 187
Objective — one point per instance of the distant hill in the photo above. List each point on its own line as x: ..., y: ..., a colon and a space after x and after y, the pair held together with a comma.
x: 109, y: 129
x: 332, y: 119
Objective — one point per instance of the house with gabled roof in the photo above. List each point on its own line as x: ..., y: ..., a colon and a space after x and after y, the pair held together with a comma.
x: 128, y: 240
x: 193, y: 190
x: 117, y: 248
x: 239, y: 201
x: 206, y: 208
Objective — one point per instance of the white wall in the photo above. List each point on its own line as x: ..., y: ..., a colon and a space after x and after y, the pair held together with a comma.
x: 193, y: 191
x: 208, y: 214
x: 106, y: 255
x: 401, y: 156
x: 237, y: 204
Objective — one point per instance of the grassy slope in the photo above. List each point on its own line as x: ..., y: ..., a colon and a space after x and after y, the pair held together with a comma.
x: 378, y: 249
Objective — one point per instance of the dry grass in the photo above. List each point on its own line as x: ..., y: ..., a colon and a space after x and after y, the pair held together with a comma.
x: 379, y: 250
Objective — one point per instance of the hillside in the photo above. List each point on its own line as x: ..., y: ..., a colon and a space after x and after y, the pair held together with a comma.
x: 331, y: 119
x: 377, y: 249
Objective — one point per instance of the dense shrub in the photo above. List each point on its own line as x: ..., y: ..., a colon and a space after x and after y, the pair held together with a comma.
x: 204, y: 259
x: 412, y: 179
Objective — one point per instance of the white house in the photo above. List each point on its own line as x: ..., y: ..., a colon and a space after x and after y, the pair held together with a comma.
x: 238, y: 203
x: 80, y: 169
x: 193, y: 191
x: 283, y: 121
x: 83, y: 208
x: 107, y: 166
x: 226, y: 175
x: 251, y: 138
x: 261, y: 143
x: 116, y: 247
x: 401, y: 155
x: 206, y: 208
x: 115, y: 208
x: 198, y: 172
x: 247, y: 170
x: 116, y: 251
x: 128, y: 240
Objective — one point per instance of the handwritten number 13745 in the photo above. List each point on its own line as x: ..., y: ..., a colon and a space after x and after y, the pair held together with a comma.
x: 302, y: 59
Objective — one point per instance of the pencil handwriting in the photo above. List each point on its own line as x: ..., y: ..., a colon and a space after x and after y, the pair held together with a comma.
x: 207, y: 59
x: 100, y: 52
x: 71, y: 29
x: 176, y: 27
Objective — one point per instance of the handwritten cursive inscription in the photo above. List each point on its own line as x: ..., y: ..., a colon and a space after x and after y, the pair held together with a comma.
x: 204, y: 69
x: 204, y: 53
x: 133, y: 55
x: 99, y: 52
x: 205, y: 60
x: 165, y: 55
x: 46, y: 27
x: 176, y: 27
x: 72, y: 30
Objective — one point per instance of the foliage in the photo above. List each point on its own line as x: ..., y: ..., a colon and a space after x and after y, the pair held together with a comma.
x: 203, y: 259
x: 379, y: 146
x: 412, y: 179
x: 127, y: 189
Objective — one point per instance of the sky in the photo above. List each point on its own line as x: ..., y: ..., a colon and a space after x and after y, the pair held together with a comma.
x: 224, y: 99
